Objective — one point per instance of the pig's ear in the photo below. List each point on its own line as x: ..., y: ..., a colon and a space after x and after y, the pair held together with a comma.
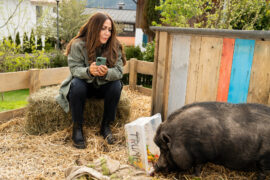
x: 166, y: 139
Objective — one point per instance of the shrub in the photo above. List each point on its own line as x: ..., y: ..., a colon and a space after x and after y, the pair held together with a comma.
x: 148, y: 54
x: 18, y: 40
x: 133, y: 52
x: 223, y: 14
x: 26, y: 44
x: 58, y: 59
x: 11, y: 60
x: 50, y: 43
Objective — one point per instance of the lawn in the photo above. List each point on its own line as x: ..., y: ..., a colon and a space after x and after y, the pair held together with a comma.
x: 14, y: 99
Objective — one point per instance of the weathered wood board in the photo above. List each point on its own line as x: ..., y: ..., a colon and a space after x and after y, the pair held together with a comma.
x: 193, y: 69
x: 225, y: 69
x: 178, y: 72
x: 259, y: 86
x: 210, y: 56
x: 241, y: 68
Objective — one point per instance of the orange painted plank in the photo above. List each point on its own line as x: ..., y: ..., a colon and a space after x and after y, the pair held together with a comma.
x: 225, y: 69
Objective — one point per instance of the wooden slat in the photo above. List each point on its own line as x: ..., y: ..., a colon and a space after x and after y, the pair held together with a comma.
x: 14, y: 81
x: 210, y: 56
x: 154, y: 80
x: 178, y: 72
x: 193, y: 69
x: 53, y: 76
x: 225, y: 69
x: 144, y: 90
x: 145, y: 67
x: 132, y: 73
x: 7, y: 115
x: 240, y: 73
x: 34, y: 80
x: 126, y: 68
x: 158, y: 100
x: 259, y: 86
x: 168, y: 67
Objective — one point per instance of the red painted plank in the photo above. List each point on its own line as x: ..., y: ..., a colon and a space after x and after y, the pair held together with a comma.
x: 225, y: 69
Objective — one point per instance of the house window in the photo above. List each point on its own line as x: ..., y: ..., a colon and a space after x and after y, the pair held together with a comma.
x: 129, y: 27
x: 38, y: 11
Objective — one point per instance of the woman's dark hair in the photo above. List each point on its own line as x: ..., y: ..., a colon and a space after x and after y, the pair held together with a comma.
x: 89, y: 33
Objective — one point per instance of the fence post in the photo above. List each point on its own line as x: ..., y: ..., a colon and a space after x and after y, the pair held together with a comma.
x: 133, y: 73
x: 269, y: 100
x: 34, y: 80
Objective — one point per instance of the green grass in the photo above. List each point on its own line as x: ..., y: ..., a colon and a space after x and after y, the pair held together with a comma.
x: 14, y: 99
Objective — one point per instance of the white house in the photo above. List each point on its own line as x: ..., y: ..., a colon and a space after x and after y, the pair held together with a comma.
x: 22, y: 15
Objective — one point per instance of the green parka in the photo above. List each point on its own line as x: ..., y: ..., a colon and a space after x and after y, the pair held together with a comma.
x: 79, y: 67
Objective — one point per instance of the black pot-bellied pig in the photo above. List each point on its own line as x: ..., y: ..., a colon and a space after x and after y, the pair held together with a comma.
x: 236, y: 136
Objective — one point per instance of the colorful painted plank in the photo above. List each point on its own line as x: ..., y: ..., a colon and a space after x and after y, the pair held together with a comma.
x: 259, y: 86
x: 225, y: 69
x: 210, y: 56
x: 193, y: 69
x: 240, y: 73
x: 178, y: 72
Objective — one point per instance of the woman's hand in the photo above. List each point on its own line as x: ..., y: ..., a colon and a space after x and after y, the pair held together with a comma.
x: 98, y: 70
x: 102, y: 69
x: 94, y: 69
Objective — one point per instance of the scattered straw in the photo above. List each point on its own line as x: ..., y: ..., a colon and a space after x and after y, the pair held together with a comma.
x: 47, y: 156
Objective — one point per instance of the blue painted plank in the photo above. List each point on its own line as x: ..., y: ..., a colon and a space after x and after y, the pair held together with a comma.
x: 241, y: 68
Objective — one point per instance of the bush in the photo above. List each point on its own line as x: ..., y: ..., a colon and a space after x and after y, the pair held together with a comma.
x: 133, y: 52
x: 18, y: 40
x: 58, y: 59
x: 148, y: 54
x: 11, y: 60
x: 50, y: 43
x: 233, y: 14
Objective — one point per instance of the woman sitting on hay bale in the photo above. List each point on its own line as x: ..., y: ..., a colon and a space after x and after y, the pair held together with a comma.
x: 96, y: 38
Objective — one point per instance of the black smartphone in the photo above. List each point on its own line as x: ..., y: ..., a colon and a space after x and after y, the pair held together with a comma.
x: 101, y: 61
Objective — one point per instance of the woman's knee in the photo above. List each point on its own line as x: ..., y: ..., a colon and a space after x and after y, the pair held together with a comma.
x: 78, y: 87
x: 115, y: 88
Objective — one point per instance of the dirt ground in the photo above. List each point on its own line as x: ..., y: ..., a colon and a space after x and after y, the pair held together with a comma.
x: 24, y: 156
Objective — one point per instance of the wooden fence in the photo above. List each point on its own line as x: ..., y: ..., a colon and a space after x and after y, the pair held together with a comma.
x: 193, y: 65
x: 34, y: 79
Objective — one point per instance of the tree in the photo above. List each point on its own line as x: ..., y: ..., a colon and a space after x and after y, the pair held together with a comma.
x: 12, y: 14
x: 71, y: 18
x: 14, y: 17
x: 18, y: 40
x: 150, y: 15
x: 222, y: 14
x: 26, y: 44
x: 39, y: 42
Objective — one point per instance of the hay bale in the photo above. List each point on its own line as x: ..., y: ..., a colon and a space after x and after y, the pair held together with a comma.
x: 44, y: 115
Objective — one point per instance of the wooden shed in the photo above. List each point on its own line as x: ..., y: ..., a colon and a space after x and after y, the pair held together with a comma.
x: 193, y: 65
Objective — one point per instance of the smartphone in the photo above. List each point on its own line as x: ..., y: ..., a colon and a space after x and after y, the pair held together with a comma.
x: 101, y: 61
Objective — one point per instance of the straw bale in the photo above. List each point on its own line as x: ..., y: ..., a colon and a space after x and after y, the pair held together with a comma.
x: 44, y: 115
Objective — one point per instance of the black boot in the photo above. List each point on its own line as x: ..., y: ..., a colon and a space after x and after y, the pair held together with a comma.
x: 106, y: 132
x: 77, y: 136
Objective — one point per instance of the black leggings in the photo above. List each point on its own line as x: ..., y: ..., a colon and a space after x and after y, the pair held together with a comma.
x: 80, y: 90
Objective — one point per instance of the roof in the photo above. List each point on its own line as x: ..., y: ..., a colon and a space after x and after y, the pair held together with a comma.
x: 118, y: 15
x: 44, y: 2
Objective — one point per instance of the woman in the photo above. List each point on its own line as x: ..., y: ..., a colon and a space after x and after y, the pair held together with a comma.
x: 96, y: 38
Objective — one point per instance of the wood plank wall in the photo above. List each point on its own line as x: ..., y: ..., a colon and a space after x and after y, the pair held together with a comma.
x: 207, y: 68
